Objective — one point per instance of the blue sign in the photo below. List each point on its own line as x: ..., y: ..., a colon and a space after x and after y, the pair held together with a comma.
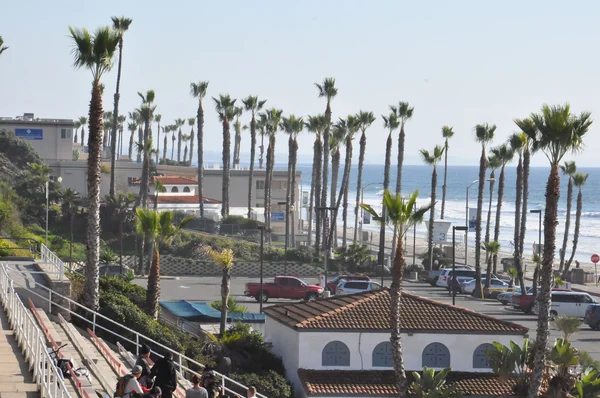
x: 30, y: 134
x: 277, y: 216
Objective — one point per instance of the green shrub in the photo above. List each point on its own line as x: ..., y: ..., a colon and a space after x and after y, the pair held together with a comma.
x: 268, y: 383
x: 232, y: 305
x: 136, y: 294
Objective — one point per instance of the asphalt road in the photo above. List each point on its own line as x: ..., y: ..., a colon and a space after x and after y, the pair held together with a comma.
x: 209, y: 289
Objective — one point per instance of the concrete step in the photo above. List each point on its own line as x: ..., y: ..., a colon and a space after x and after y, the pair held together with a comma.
x: 30, y: 394
x: 18, y: 387
x: 15, y: 378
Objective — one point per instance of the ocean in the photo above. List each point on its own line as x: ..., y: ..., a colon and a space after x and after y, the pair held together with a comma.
x: 419, y: 177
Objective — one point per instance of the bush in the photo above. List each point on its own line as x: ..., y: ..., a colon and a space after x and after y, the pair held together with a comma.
x: 354, y: 258
x: 134, y: 293
x: 232, y: 305
x: 268, y: 383
x: 439, y: 258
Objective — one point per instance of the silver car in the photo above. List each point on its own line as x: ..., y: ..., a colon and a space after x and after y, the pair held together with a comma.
x: 351, y: 287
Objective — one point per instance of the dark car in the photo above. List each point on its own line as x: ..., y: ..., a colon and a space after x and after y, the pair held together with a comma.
x: 592, y: 316
x: 332, y: 284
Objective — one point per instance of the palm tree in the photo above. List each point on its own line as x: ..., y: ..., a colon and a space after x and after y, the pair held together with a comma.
x: 272, y: 117
x: 335, y: 140
x: 391, y: 123
x: 432, y: 158
x: 83, y: 121
x: 262, y: 129
x: 107, y: 119
x: 94, y: 52
x: 484, y: 133
x: 327, y: 90
x: 69, y: 200
x: 226, y: 109
x: 365, y: 120
x: 180, y: 123
x: 491, y: 249
x: 237, y: 125
x: 185, y: 139
x: 121, y: 124
x: 252, y: 105
x: 493, y: 163
x: 567, y: 325
x: 157, y: 119
x: 527, y: 150
x: 191, y: 123
x: 316, y: 125
x: 77, y: 126
x: 579, y: 180
x: 146, y: 112
x: 401, y: 214
x: 517, y: 142
x: 159, y: 230
x: 121, y: 206
x: 166, y: 131
x: 158, y: 188
x: 174, y: 138
x: 120, y: 26
x: 224, y: 259
x: 198, y: 90
x: 2, y: 46
x: 132, y: 127
x: 504, y: 155
x: 353, y: 125
x: 447, y: 133
x: 292, y: 126
x: 556, y: 132
x: 569, y: 169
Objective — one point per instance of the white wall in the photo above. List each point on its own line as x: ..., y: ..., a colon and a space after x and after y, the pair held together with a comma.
x: 286, y: 346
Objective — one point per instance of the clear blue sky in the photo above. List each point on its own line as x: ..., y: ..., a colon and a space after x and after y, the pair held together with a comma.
x: 458, y: 62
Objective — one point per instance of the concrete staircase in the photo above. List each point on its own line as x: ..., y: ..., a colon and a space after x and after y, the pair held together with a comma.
x: 16, y: 381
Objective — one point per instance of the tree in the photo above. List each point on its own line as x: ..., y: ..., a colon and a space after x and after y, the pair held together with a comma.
x: 157, y: 119
x: 191, y: 123
x: 83, y: 120
x: 262, y: 128
x: 569, y: 169
x: 556, y: 132
x: 69, y: 202
x: 198, y: 90
x: 77, y: 126
x: 391, y: 123
x: 316, y: 125
x: 237, y: 141
x: 2, y: 46
x: 166, y: 131
x: 132, y: 127
x: 292, y: 126
x: 579, y: 181
x: 567, y: 325
x: 180, y: 123
x: 224, y: 259
x: 504, y: 155
x: 527, y: 128
x: 353, y: 126
x: 173, y: 139
x: 120, y: 205
x: 433, y: 385
x: 511, y: 362
x: 484, y: 133
x: 225, y: 107
x: 401, y: 214
x: 107, y: 120
x: 159, y: 230
x: 272, y: 117
x: 431, y: 159
x: 253, y: 105
x: 493, y: 163
x: 491, y: 249
x: 186, y: 138
x: 335, y: 140
x: 447, y: 133
x: 365, y: 120
x: 121, y: 125
x: 146, y: 112
x: 517, y: 142
x: 94, y: 52
x: 120, y: 26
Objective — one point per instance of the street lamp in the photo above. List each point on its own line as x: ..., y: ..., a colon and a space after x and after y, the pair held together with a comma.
x: 59, y: 180
x: 325, y: 239
x: 539, y: 213
x: 362, y: 200
x: 467, y: 218
x: 262, y: 248
x: 452, y: 288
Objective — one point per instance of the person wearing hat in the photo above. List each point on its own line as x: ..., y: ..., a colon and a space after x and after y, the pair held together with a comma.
x: 143, y: 361
x: 212, y: 386
x: 133, y: 387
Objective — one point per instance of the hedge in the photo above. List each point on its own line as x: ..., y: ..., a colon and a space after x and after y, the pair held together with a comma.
x: 268, y: 383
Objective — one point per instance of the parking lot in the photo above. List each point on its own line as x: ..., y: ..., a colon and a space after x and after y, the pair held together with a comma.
x: 208, y: 289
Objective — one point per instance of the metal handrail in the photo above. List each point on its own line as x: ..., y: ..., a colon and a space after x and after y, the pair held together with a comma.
x: 139, y: 338
x: 31, y: 340
x: 53, y: 261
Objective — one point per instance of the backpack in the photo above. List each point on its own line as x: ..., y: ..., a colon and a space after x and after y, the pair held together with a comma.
x: 121, y: 384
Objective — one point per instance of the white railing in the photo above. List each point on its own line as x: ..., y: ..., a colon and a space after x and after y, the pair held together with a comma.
x: 31, y: 340
x: 55, y: 263
x: 119, y: 331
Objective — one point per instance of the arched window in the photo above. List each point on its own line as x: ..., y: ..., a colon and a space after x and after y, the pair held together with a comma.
x: 480, y: 358
x: 436, y: 355
x: 382, y: 355
x: 186, y: 189
x: 336, y: 353
x: 174, y: 189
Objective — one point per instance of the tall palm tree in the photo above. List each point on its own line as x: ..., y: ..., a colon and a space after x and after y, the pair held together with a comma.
x: 570, y: 170
x: 491, y: 249
x: 226, y: 109
x: 198, y: 91
x: 107, y: 119
x: 292, y: 126
x: 484, y: 133
x: 353, y: 125
x: 2, y: 46
x: 447, y: 133
x: 173, y: 139
x: 159, y: 230
x: 180, y: 123
x: 335, y: 140
x: 77, y: 126
x: 431, y: 159
x: 121, y: 125
x: 237, y: 141
x: 157, y: 119
x: 579, y: 180
x: 527, y: 151
x: 69, y: 202
x: 328, y: 91
x: 401, y: 214
x: 146, y: 111
x: 83, y: 120
x: 517, y: 143
x: 120, y: 26
x: 166, y: 131
x: 253, y: 105
x: 158, y: 189
x: 186, y: 138
x: 272, y: 117
x: 391, y: 123
x: 556, y: 132
x: 504, y: 154
x: 493, y: 163
x: 316, y: 124
x: 94, y: 51
x: 191, y: 123
x: 121, y: 206
x: 132, y: 127
x: 365, y: 120
x: 224, y: 259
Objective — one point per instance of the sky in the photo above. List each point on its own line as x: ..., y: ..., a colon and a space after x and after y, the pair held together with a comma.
x: 459, y: 63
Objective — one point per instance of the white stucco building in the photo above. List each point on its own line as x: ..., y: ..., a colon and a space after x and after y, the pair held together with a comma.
x: 340, y: 346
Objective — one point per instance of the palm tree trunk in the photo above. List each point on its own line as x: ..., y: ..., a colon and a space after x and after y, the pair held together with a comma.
x: 343, y: 195
x: 165, y: 147
x: 550, y: 223
x: 288, y: 193
x: 431, y: 218
x: 262, y: 151
x: 567, y: 225
x: 157, y: 154
x: 173, y: 139
x: 526, y: 161
x: 575, y: 234
x: 131, y: 146
x: 361, y: 161
x: 191, y: 153
x: 317, y: 197
x: 91, y: 292
x: 82, y: 135
x: 487, y: 229
x: 498, y: 213
x: 386, y: 185
x: 251, y: 169
x: 113, y: 141
x: 121, y: 141
x: 226, y: 163
x: 225, y: 281
x: 395, y: 338
x: 517, y: 234
x: 482, y: 165
x: 140, y: 145
x: 268, y: 184
x: 445, y: 179
x: 200, y: 121
x: 311, y: 197
x: 401, y: 139
x: 326, y: 151
x: 179, y: 141
x: 293, y: 201
x: 335, y: 172
x: 143, y: 196
x: 153, y: 291
x: 185, y: 153
x: 236, y: 145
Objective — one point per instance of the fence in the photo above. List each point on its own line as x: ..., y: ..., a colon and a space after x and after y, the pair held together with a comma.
x: 31, y: 340
x: 56, y: 265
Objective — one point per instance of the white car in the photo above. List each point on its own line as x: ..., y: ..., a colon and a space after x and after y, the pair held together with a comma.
x: 350, y: 287
x: 469, y: 286
x: 462, y: 275
x: 573, y: 304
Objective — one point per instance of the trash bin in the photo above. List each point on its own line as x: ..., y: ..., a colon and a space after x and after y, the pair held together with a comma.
x: 578, y: 276
x: 507, y: 263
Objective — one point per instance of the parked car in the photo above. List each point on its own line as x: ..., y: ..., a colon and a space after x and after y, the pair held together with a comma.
x: 573, y: 304
x: 333, y: 284
x: 525, y: 302
x: 462, y: 275
x: 592, y: 316
x: 506, y: 297
x: 432, y: 277
x: 350, y: 287
x: 468, y: 287
x: 287, y: 287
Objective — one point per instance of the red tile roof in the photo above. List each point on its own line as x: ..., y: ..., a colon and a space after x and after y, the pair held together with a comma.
x: 371, y: 311
x: 181, y: 199
x: 171, y: 180
x: 382, y: 383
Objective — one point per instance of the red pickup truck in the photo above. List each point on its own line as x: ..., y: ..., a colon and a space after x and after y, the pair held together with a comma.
x: 525, y: 303
x: 286, y: 287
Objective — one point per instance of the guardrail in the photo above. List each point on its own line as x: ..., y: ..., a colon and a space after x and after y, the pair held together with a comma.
x: 121, y: 329
x: 53, y: 261
x: 31, y: 340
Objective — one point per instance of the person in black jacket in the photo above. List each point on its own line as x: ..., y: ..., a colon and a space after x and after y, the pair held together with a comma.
x: 142, y: 361
x: 165, y: 375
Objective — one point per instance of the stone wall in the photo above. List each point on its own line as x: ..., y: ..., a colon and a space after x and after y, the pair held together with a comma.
x: 177, y: 266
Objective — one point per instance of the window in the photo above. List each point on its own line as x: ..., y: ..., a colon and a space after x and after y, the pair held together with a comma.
x: 463, y: 273
x: 480, y: 357
x: 564, y: 298
x: 436, y: 355
x: 294, y: 282
x: 356, y: 285
x: 65, y: 133
x: 175, y: 189
x: 186, y: 189
x: 375, y: 286
x: 260, y: 184
x: 336, y: 353
x: 382, y: 355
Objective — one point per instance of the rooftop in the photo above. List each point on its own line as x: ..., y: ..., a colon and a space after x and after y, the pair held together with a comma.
x: 181, y: 199
x: 370, y: 311
x: 175, y: 180
x: 29, y: 119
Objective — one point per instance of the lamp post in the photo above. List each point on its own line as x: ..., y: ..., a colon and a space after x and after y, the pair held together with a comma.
x: 467, y: 218
x: 452, y: 288
x: 362, y: 200
x: 325, y: 239
x: 539, y: 213
x: 59, y: 180
x: 262, y: 247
